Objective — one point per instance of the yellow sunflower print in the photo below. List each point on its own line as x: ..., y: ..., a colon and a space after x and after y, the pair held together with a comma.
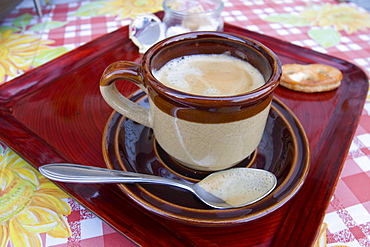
x: 129, y: 9
x: 340, y: 16
x: 17, y: 52
x: 30, y: 204
x: 122, y: 9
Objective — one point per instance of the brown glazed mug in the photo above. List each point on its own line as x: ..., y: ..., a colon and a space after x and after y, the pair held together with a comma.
x: 206, y: 133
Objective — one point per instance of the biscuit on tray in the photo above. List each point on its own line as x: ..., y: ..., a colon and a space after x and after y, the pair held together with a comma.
x: 310, y: 78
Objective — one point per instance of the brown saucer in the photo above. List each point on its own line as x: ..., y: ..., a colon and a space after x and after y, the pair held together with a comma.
x: 132, y: 147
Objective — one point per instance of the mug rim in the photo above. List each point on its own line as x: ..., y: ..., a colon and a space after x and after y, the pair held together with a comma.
x: 249, y: 97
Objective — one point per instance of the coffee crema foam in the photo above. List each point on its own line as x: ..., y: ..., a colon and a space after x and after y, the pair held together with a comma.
x: 210, y: 75
x: 238, y: 186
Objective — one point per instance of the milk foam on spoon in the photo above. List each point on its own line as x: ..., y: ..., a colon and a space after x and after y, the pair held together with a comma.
x: 239, y: 186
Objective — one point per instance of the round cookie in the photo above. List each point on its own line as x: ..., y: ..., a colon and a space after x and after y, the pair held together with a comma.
x: 310, y: 78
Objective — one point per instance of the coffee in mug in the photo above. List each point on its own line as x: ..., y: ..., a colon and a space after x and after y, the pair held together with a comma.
x: 211, y: 121
x: 210, y: 75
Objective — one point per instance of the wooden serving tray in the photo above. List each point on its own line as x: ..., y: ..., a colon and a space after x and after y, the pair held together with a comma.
x: 55, y: 113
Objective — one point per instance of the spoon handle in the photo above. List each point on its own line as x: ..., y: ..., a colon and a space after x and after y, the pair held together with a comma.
x: 73, y: 173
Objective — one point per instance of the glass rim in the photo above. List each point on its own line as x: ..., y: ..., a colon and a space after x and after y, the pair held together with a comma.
x: 218, y: 9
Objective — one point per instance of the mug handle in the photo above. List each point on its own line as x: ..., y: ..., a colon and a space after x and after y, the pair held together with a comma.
x: 130, y: 71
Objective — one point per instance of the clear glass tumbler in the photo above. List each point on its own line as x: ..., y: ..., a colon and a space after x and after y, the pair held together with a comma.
x: 182, y: 16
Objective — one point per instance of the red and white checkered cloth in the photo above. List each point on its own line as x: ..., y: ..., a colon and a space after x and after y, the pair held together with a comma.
x: 87, y: 231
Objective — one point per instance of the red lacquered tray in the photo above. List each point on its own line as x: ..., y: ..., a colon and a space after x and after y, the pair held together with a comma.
x: 55, y: 114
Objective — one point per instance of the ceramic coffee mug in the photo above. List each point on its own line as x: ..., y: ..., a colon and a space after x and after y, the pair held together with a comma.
x: 206, y: 133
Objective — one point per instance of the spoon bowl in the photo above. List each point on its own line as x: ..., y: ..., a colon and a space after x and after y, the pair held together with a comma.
x: 214, y: 190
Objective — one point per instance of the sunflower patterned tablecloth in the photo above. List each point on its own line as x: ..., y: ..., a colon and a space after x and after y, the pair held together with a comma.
x: 34, y: 212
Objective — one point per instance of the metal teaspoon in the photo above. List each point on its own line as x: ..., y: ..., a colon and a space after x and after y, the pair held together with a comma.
x: 204, y: 190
